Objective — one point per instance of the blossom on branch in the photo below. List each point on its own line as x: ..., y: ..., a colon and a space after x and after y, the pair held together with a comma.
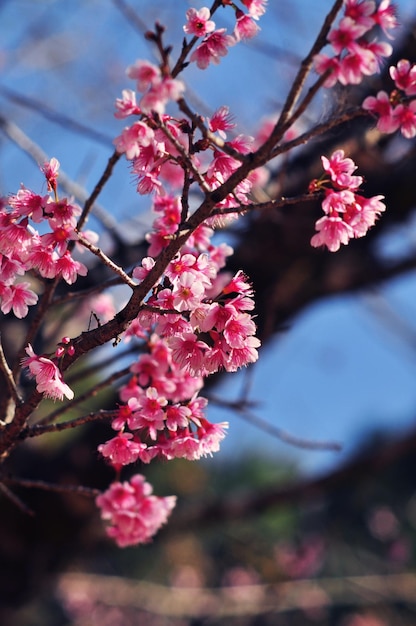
x: 48, y: 377
x: 347, y: 213
x: 134, y: 514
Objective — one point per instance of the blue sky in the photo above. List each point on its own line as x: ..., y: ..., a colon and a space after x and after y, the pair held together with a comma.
x: 341, y: 370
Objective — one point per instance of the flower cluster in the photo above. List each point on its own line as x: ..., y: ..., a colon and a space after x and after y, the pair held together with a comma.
x: 196, y: 322
x: 48, y: 377
x: 197, y: 319
x: 356, y: 49
x: 23, y: 249
x: 215, y: 42
x: 348, y: 214
x: 134, y: 514
x: 397, y: 109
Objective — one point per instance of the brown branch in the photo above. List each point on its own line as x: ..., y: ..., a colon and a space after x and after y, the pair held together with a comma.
x: 98, y: 189
x: 220, y: 510
x: 16, y: 500
x: 306, y: 66
x: 241, y: 408
x: 40, y: 484
x: 106, y: 260
x: 84, y: 396
x: 39, y: 429
x: 8, y: 376
x: 320, y: 129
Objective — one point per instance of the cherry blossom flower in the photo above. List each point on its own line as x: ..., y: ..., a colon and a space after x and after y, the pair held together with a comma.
x: 212, y: 48
x: 145, y: 73
x: 406, y: 117
x: 134, y: 514
x: 245, y: 27
x: 121, y: 450
x: 404, y: 76
x: 348, y: 214
x: 380, y: 105
x: 221, y: 121
x: 17, y: 297
x: 50, y: 170
x: 386, y: 16
x: 48, y: 376
x: 256, y: 8
x: 126, y: 105
x: 332, y: 232
x: 198, y: 22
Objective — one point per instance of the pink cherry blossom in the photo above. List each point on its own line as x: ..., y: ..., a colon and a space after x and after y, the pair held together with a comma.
x: 48, y: 376
x: 17, y: 297
x: 121, y: 450
x: 212, y: 48
x: 198, y: 22
x: 210, y: 436
x: 133, y: 139
x: 404, y: 76
x: 188, y: 292
x: 332, y: 232
x: 26, y: 202
x: 340, y: 169
x: 406, y: 117
x: 145, y: 73
x: 126, y: 105
x: 69, y: 269
x: 386, y: 16
x: 245, y: 27
x: 380, y: 105
x: 133, y: 513
x: 256, y: 8
x: 345, y: 36
x: 50, y: 170
x: 221, y: 121
x: 360, y: 11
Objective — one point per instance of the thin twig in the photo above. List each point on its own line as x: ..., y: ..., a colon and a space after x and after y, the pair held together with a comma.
x: 8, y: 375
x: 16, y: 500
x: 185, y: 156
x: 106, y: 260
x: 38, y: 429
x: 98, y: 189
x: 41, y: 484
x: 40, y: 108
x: 84, y: 396
x: 242, y: 410
x: 70, y: 187
x: 306, y: 64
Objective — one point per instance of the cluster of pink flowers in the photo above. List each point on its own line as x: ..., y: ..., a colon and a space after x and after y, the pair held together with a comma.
x: 215, y: 42
x: 197, y: 319
x: 48, y: 377
x: 23, y: 249
x: 348, y: 214
x: 356, y: 52
x: 397, y: 109
x: 134, y: 514
x: 196, y: 322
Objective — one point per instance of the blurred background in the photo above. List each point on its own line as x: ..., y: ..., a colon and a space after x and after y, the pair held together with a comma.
x: 308, y: 513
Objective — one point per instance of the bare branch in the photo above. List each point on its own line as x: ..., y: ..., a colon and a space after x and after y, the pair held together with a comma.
x: 106, y: 260
x: 95, y: 416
